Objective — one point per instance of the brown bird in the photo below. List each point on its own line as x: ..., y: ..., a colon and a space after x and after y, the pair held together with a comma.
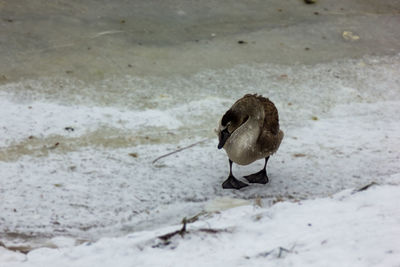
x: 249, y: 131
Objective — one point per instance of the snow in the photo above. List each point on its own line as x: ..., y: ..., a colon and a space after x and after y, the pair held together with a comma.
x: 92, y: 196
x: 44, y: 119
x: 91, y: 94
x: 350, y: 228
x: 96, y: 198
x: 82, y: 120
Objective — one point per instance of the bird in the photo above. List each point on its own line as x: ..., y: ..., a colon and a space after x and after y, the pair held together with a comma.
x: 249, y: 131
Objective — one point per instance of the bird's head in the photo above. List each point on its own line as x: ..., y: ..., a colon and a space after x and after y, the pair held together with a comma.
x: 228, y: 124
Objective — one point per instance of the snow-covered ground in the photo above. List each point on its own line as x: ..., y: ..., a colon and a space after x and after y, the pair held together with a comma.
x: 92, y: 92
x: 350, y: 228
x: 96, y: 185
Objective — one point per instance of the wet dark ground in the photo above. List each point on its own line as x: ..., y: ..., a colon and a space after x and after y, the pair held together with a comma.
x: 93, y: 40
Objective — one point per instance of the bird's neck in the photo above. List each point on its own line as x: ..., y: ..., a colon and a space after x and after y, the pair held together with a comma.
x: 246, y: 135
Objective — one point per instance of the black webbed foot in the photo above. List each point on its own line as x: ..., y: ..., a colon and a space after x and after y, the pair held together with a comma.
x: 258, y: 177
x: 233, y: 183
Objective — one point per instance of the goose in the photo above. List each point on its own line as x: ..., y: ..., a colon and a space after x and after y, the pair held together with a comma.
x: 249, y: 131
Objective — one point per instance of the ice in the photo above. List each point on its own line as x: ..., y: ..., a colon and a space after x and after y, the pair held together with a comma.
x: 224, y: 203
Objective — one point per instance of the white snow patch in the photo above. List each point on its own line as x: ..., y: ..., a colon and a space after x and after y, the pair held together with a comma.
x: 41, y: 119
x: 348, y: 229
x: 61, y: 242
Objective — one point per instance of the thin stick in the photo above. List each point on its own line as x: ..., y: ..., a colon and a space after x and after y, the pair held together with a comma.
x: 105, y: 33
x: 179, y: 150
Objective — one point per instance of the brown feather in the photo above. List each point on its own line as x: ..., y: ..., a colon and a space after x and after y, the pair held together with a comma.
x: 269, y: 139
x: 271, y: 119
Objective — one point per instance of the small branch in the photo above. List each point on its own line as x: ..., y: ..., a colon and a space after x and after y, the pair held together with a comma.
x: 278, y: 252
x: 181, y: 232
x: 364, y: 187
x: 281, y: 249
x: 105, y: 33
x: 179, y: 150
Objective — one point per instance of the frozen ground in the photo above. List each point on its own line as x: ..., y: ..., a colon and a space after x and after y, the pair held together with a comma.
x: 99, y: 180
x: 84, y: 114
x: 348, y: 229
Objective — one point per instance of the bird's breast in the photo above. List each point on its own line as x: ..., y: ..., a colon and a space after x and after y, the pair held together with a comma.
x: 240, y: 147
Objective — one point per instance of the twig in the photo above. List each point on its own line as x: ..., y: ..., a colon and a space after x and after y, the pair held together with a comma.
x: 105, y: 33
x: 364, y: 187
x: 167, y: 237
x: 282, y: 249
x: 179, y: 150
x: 195, y: 217
x: 181, y: 232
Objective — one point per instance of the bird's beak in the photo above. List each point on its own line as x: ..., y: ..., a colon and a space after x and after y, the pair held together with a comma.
x: 224, y: 135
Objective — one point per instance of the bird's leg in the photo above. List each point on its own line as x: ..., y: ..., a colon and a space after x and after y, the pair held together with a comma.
x: 232, y: 182
x: 259, y: 177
